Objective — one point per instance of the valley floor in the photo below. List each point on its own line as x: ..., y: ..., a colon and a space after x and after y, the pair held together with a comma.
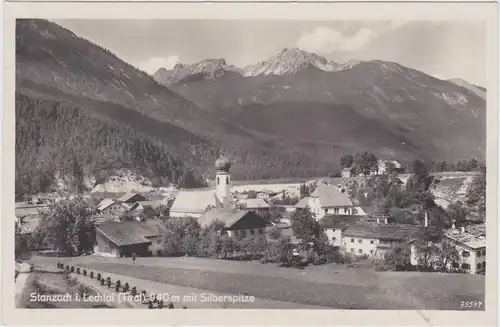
x: 334, y: 286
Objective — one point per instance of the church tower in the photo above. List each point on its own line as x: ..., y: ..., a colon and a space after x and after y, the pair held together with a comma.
x: 223, y: 180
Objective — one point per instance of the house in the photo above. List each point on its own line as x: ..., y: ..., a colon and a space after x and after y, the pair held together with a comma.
x: 346, y: 172
x: 329, y: 199
x: 302, y: 204
x: 131, y: 198
x: 113, y: 207
x: 334, y: 225
x: 375, y: 240
x: 470, y: 241
x: 194, y: 202
x: 262, y: 195
x: 119, y: 239
x: 238, y: 224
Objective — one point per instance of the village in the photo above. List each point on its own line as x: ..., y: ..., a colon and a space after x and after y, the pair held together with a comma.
x: 252, y: 217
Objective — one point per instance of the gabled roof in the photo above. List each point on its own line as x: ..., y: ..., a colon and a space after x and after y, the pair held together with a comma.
x: 303, y: 203
x: 132, y: 197
x: 474, y: 236
x: 389, y: 231
x: 131, y: 232
x: 330, y: 196
x: 106, y: 203
x: 194, y: 201
x: 228, y: 217
x: 339, y: 221
x: 152, y: 203
x: 346, y: 169
x: 254, y: 203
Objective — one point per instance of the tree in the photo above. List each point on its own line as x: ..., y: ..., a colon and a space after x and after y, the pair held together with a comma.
x: 68, y: 227
x: 444, y: 166
x: 304, y: 226
x: 457, y: 213
x: 426, y: 253
x: 346, y: 161
x: 476, y: 194
x: 446, y: 255
x: 181, y: 235
x: 419, y: 169
x: 398, y: 257
x: 366, y: 163
x: 21, y: 247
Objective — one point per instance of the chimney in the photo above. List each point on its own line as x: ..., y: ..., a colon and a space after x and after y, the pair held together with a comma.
x: 385, y: 221
x: 426, y: 220
x: 453, y: 226
x: 462, y: 229
x: 378, y: 220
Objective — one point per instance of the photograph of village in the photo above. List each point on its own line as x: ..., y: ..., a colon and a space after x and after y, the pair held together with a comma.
x: 190, y: 164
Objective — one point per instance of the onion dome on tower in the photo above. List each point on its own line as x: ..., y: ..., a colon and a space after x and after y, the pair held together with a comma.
x: 222, y: 164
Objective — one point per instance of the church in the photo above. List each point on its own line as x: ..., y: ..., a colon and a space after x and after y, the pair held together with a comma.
x: 208, y: 205
x: 195, y: 202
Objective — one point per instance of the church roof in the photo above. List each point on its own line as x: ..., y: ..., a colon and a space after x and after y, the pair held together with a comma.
x: 194, y: 201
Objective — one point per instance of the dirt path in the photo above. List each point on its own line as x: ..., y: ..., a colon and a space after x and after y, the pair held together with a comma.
x: 192, y: 298
x: 22, y: 282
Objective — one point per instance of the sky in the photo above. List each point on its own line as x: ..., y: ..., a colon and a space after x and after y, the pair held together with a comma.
x: 444, y: 49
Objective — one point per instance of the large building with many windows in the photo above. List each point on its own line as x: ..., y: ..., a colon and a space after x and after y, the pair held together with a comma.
x: 470, y: 242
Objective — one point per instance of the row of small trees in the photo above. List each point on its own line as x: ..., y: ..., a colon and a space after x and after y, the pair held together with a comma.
x: 118, y: 286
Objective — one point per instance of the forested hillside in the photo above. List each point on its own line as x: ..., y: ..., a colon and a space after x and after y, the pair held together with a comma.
x: 55, y: 140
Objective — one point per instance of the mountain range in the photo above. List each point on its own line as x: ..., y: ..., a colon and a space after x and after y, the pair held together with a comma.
x: 293, y: 115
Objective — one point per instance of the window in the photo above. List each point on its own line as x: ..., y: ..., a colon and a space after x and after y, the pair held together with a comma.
x: 371, y: 251
x: 218, y: 182
x: 242, y: 233
x: 158, y: 242
x: 360, y: 241
x: 346, y: 210
x: 478, y: 253
x: 465, y: 266
x: 352, y: 250
x: 336, y: 210
x: 352, y: 240
x: 333, y: 230
x: 228, y: 179
x: 372, y: 242
x: 478, y: 266
x: 252, y: 232
x: 484, y: 265
x: 484, y: 252
x: 261, y: 231
x: 360, y: 251
x: 465, y: 253
x: 326, y: 210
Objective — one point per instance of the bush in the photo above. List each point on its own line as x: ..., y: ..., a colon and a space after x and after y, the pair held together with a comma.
x: 72, y: 269
x: 171, y: 305
x: 118, y: 282
x: 117, y: 288
x: 67, y: 268
x: 134, y: 291
x: 160, y: 304
x: 91, y: 274
x: 98, y: 276
x: 102, y: 282
x: 84, y: 272
x: 150, y: 304
x: 125, y: 287
x: 78, y: 271
x: 109, y: 282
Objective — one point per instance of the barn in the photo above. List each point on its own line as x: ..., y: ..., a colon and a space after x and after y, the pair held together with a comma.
x: 123, y: 239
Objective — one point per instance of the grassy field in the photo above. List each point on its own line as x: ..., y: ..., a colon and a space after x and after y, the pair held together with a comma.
x: 331, y: 285
x: 52, y: 283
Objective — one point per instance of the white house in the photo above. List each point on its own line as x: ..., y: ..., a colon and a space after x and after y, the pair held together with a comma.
x: 238, y: 224
x: 375, y: 240
x: 470, y: 242
x: 329, y: 199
